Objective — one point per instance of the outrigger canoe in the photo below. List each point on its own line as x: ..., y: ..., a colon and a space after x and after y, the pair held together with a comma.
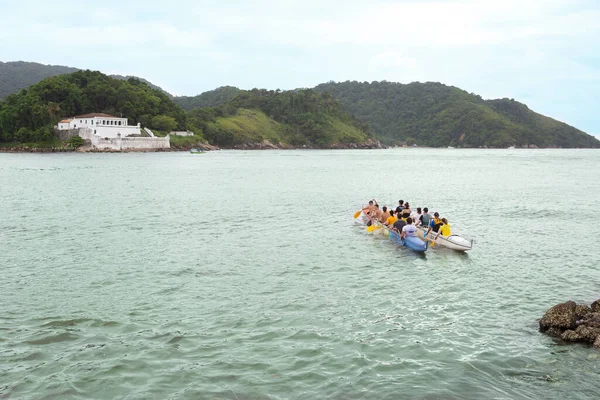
x: 453, y: 242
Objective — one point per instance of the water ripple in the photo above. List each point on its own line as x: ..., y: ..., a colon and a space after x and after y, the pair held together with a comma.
x: 244, y: 276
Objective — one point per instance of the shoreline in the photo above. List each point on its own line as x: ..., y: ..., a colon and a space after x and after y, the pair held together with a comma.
x: 259, y: 146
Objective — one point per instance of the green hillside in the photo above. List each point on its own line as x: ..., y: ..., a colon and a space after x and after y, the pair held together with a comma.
x: 212, y: 98
x: 17, y: 75
x: 433, y: 114
x: 294, y: 118
x: 30, y: 115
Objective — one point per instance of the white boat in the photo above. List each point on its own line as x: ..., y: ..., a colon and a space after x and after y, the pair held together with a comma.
x: 453, y: 242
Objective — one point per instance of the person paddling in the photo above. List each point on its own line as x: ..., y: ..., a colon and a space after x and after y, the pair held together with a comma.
x: 409, y: 229
x: 377, y: 213
x: 425, y: 217
x: 384, y: 215
x: 416, y: 216
x: 400, y: 206
x: 391, y: 219
x: 444, y: 229
x: 435, y: 224
x: 406, y: 211
x: 369, y: 210
x: 399, y: 225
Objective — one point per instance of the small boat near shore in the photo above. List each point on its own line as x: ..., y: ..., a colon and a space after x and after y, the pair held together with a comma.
x: 197, y: 151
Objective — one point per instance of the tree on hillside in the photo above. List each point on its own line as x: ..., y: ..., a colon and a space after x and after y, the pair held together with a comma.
x: 163, y: 123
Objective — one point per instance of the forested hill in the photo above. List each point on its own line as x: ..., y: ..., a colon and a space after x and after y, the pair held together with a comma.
x: 295, y: 118
x: 17, y: 75
x: 30, y: 115
x: 433, y: 114
x: 212, y: 98
x: 253, y: 119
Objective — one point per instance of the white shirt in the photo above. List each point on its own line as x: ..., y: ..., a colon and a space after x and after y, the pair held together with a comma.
x: 415, y: 217
x: 409, y: 230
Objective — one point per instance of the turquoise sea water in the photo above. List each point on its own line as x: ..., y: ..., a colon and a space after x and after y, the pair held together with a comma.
x: 242, y: 275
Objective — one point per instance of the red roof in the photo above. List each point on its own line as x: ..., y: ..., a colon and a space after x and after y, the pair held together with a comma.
x: 92, y: 115
x: 65, y: 120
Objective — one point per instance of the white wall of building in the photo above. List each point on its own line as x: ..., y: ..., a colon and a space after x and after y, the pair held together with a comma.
x: 125, y: 143
x: 114, y: 131
x: 102, y: 126
x: 98, y: 121
x: 113, y: 122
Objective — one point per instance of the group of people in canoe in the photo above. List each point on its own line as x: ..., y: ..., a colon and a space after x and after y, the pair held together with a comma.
x: 405, y: 220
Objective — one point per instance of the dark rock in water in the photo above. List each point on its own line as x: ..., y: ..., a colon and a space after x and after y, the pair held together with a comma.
x: 569, y: 335
x: 554, y: 332
x: 583, y: 333
x: 573, y: 322
x: 562, y: 316
x: 590, y: 319
x: 581, y: 310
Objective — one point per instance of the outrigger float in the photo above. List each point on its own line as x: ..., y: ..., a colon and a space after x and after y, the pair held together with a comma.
x: 419, y: 243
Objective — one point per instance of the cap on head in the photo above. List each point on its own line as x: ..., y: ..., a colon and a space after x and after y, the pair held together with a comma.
x: 436, y: 214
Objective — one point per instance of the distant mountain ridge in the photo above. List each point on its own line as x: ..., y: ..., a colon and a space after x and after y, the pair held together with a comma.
x: 434, y: 114
x: 18, y: 75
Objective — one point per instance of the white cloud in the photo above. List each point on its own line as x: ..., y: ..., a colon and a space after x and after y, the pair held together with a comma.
x: 538, y: 51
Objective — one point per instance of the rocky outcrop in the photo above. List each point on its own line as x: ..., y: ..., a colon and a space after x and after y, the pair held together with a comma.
x: 573, y: 322
x: 562, y: 316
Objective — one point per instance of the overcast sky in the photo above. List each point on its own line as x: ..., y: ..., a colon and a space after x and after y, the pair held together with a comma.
x: 545, y: 53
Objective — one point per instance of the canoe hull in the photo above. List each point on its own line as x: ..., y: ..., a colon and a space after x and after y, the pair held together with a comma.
x: 453, y: 242
x: 412, y: 242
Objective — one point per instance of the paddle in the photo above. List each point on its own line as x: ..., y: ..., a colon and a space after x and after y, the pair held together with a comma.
x: 428, y: 239
x: 356, y: 214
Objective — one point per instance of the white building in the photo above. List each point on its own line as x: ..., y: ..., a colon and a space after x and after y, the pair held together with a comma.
x: 103, y: 125
x: 107, y: 132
